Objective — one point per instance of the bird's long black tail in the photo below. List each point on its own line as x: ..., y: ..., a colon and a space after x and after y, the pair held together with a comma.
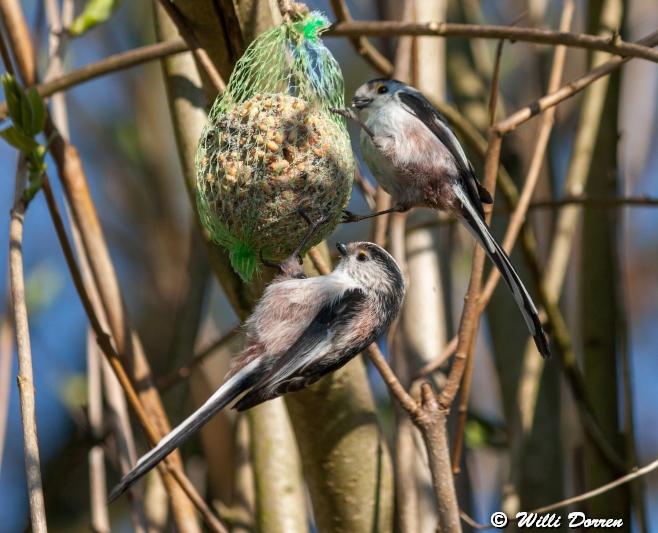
x: 230, y: 390
x: 480, y: 231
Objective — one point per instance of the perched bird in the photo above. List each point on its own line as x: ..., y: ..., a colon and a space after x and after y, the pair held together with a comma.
x: 417, y: 159
x: 301, y: 329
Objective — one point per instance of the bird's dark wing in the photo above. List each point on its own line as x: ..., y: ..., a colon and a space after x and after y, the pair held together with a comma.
x: 317, y: 352
x: 419, y: 106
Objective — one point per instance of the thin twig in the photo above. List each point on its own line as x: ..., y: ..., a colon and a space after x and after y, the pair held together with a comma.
x: 362, y: 45
x: 108, y: 65
x: 593, y: 201
x: 495, y: 79
x: 25, y: 376
x: 96, y: 457
x: 589, y: 202
x: 551, y: 285
x: 567, y: 91
x: 611, y: 44
x: 402, y: 396
x: 199, y: 52
x: 6, y: 57
x: 151, y: 52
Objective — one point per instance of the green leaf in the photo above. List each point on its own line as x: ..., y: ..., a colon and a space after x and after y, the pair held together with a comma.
x: 38, y: 113
x: 18, y: 139
x: 94, y: 13
x: 26, y: 114
x: 13, y: 94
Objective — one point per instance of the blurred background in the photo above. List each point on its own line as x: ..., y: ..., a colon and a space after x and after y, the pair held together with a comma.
x: 121, y: 125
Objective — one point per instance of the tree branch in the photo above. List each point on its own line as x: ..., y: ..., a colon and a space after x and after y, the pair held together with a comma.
x: 108, y: 65
x: 596, y: 201
x: 612, y: 44
x: 567, y: 91
x: 25, y: 376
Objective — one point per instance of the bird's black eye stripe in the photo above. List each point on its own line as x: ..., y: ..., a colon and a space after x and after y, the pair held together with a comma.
x: 382, y: 89
x: 362, y: 256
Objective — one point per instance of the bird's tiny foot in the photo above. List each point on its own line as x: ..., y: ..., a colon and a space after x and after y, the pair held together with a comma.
x: 270, y: 264
x: 349, y: 217
x: 313, y: 226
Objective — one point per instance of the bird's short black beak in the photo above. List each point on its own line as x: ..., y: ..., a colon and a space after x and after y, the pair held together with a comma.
x: 342, y: 249
x: 360, y: 102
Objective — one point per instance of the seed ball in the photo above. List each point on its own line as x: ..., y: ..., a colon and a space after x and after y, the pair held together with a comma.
x: 277, y: 154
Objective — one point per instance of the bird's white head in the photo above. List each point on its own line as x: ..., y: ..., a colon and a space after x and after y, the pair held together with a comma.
x: 372, y: 267
x: 375, y: 95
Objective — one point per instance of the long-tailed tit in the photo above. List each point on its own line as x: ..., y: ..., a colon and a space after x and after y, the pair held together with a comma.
x: 301, y: 329
x: 417, y: 159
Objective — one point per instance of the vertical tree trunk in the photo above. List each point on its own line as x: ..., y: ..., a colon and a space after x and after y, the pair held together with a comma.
x: 598, y: 278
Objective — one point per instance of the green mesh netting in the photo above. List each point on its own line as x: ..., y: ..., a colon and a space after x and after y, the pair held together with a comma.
x: 271, y: 146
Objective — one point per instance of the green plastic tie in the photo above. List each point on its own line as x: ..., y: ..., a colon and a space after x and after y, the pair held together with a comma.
x: 311, y: 26
x: 243, y: 261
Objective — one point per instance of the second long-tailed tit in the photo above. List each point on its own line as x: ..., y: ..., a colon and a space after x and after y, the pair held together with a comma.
x: 301, y: 329
x: 417, y: 159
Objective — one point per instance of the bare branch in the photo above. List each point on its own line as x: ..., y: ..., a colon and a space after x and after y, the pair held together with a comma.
x: 593, y: 201
x: 108, y: 65
x: 567, y: 91
x: 25, y: 376
x: 612, y: 44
